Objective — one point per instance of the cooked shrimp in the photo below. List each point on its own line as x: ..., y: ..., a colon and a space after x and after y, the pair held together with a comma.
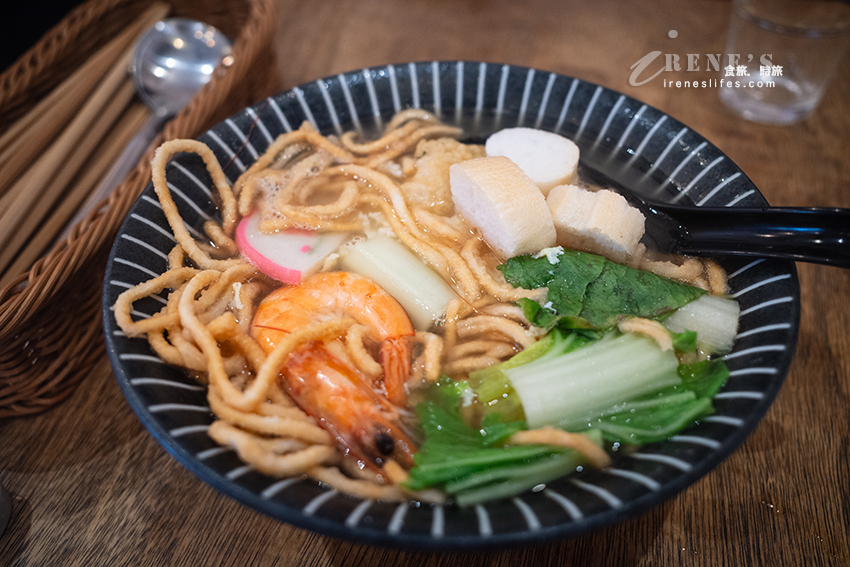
x: 364, y: 423
x: 335, y: 294
x: 324, y: 384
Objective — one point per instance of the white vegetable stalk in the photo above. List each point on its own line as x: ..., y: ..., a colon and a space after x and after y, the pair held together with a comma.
x: 388, y: 262
x: 713, y: 318
x: 572, y: 389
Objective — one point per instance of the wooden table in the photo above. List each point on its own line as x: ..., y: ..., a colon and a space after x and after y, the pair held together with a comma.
x: 90, y: 486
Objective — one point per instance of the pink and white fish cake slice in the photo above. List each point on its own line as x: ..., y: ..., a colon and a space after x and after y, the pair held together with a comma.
x: 288, y: 256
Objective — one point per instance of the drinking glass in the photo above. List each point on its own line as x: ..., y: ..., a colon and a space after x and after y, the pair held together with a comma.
x: 781, y: 55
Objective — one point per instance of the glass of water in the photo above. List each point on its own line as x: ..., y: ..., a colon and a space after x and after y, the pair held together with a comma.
x: 781, y: 55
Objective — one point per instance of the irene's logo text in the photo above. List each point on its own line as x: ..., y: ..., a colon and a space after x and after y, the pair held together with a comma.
x: 732, y: 64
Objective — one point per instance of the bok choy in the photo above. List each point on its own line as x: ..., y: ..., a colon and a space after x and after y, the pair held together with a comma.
x: 473, y: 463
x: 584, y: 376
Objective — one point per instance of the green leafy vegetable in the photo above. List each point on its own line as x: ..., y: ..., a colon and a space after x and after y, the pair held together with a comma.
x: 620, y: 290
x: 494, y: 431
x: 567, y: 280
x: 659, y: 415
x: 705, y: 378
x: 510, y: 480
x: 447, y: 393
x: 473, y: 464
x: 537, y: 314
x: 593, y: 291
x: 652, y: 424
x: 685, y: 341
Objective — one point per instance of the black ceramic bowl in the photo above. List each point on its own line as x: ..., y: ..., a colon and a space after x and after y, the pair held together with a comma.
x: 633, y: 143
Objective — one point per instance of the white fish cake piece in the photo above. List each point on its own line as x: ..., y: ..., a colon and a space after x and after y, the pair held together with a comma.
x: 494, y: 196
x: 601, y: 222
x: 548, y: 159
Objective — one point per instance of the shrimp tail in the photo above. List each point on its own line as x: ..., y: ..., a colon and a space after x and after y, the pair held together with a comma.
x: 395, y: 359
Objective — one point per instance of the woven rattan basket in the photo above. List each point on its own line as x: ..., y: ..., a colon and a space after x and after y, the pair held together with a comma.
x: 50, y: 329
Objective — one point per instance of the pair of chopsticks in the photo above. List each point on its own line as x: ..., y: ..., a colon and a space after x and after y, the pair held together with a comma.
x: 53, y: 157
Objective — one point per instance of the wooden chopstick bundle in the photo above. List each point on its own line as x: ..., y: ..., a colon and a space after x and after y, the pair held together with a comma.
x: 55, y: 186
x: 81, y: 187
x: 30, y: 134
x: 29, y: 190
x: 66, y: 147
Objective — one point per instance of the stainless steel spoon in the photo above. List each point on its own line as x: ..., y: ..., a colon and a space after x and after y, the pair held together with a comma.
x: 815, y: 235
x: 172, y: 61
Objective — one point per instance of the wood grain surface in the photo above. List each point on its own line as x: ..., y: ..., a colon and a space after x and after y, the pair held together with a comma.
x: 90, y: 486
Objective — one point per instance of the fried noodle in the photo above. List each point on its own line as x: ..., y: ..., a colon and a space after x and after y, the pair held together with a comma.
x: 309, y: 181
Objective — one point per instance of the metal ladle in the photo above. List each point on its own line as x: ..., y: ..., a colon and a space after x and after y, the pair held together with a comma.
x: 172, y: 61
